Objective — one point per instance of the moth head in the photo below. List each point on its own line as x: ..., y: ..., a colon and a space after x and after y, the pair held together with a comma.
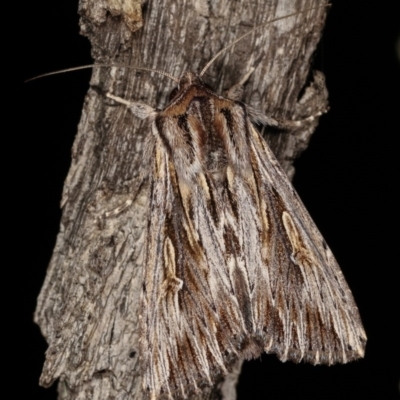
x: 187, y: 79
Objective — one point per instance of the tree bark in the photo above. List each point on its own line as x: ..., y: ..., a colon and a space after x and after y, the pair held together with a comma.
x: 88, y: 307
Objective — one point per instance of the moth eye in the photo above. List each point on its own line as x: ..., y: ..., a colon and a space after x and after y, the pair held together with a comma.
x: 173, y: 94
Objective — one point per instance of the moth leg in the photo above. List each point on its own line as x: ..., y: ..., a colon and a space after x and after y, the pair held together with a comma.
x: 236, y: 91
x: 315, y: 97
x: 260, y: 118
x: 140, y: 110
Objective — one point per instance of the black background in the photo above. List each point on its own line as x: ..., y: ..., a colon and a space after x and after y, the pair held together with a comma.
x: 346, y: 178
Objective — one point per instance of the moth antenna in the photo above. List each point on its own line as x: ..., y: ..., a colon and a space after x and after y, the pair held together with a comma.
x: 62, y: 71
x: 252, y: 31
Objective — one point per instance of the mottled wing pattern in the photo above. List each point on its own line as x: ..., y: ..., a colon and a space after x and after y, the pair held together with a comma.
x: 234, y: 265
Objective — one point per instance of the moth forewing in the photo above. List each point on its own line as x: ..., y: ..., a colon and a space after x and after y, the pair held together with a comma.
x: 320, y: 285
x: 234, y: 264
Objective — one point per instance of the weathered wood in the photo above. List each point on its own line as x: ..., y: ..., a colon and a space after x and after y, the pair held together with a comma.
x: 88, y: 306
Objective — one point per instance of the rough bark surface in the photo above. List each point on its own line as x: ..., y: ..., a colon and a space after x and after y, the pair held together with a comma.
x: 88, y: 307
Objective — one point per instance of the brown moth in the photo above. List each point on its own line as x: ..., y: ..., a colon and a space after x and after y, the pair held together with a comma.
x: 234, y: 265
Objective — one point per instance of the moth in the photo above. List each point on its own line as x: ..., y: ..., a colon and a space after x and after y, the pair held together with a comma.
x: 234, y: 265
